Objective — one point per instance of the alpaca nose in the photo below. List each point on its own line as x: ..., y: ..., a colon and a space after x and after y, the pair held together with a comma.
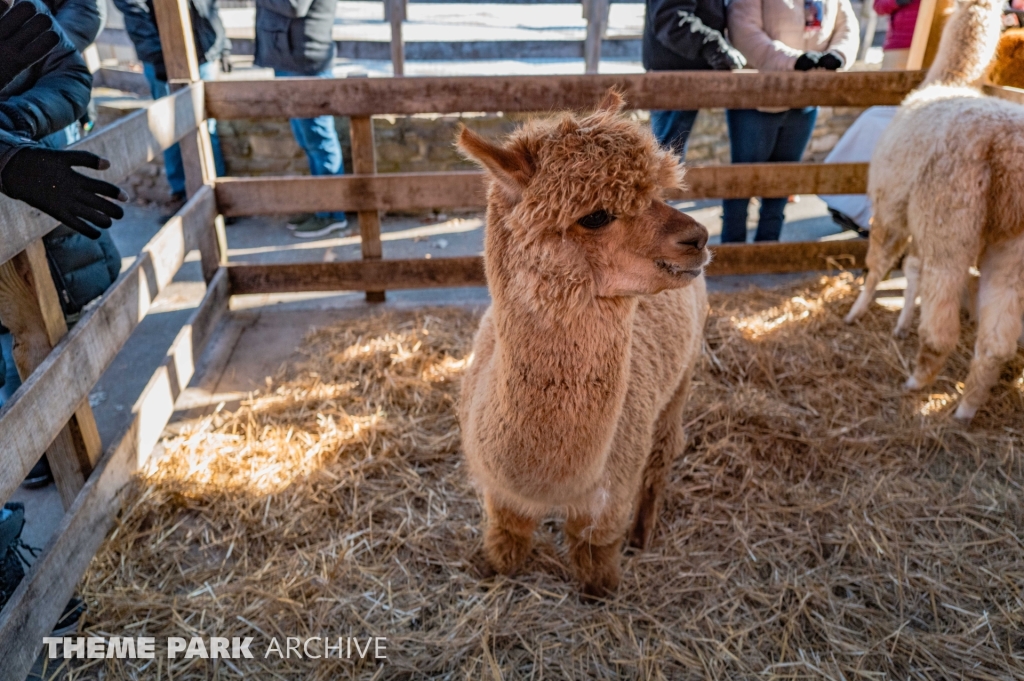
x: 695, y: 236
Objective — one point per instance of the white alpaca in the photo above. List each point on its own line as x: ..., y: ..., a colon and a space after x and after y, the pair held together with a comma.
x: 946, y: 177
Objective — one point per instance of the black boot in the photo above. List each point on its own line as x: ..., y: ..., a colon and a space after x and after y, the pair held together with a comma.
x: 12, y: 519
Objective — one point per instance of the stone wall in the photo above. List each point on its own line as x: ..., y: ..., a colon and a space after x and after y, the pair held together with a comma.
x: 426, y: 143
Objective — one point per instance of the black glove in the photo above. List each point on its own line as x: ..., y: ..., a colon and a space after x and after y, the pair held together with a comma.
x: 830, y: 61
x: 43, y: 178
x: 807, y: 61
x: 720, y: 55
x: 26, y: 36
x: 225, y: 62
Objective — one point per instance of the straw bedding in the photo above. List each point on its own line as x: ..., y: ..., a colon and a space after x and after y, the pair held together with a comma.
x: 821, y: 524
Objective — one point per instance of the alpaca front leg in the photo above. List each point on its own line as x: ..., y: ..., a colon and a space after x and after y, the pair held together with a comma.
x: 912, y: 270
x: 508, y: 538
x: 595, y: 550
x: 669, y: 441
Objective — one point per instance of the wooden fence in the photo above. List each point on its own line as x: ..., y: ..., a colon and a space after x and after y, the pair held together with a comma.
x: 50, y: 412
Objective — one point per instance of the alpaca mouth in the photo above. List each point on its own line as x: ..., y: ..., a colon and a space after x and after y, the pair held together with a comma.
x: 678, y: 271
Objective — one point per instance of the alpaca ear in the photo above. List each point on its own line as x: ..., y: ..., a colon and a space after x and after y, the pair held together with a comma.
x: 511, y: 168
x: 612, y: 102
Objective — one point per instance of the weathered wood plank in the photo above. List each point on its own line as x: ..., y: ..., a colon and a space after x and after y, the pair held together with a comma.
x: 37, y: 602
x: 364, y: 162
x: 765, y: 258
x: 356, y: 275
x: 307, y: 97
x: 793, y: 256
x: 134, y: 140
x: 45, y: 402
x: 1010, y: 94
x: 465, y: 189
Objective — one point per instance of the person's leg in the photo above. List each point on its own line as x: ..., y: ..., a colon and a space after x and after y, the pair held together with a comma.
x: 751, y: 140
x: 793, y: 134
x: 209, y: 71
x: 173, y: 166
x: 672, y: 129
x: 319, y: 139
x: 12, y: 381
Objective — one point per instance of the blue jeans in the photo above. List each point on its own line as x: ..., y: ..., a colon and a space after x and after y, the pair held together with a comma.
x: 758, y: 137
x: 319, y: 139
x: 173, y: 166
x: 672, y: 128
x: 13, y: 380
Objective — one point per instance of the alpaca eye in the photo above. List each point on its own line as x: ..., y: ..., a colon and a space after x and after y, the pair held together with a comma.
x: 596, y: 220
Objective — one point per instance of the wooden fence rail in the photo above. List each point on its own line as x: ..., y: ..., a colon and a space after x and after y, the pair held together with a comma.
x: 308, y: 97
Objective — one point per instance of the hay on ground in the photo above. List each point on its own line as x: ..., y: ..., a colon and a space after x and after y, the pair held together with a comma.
x: 821, y: 523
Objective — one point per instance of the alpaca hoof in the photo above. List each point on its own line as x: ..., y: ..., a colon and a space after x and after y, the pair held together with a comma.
x: 913, y: 384
x: 506, y: 552
x: 598, y: 568
x: 593, y: 593
x: 965, y: 412
x: 900, y: 332
x: 850, y: 318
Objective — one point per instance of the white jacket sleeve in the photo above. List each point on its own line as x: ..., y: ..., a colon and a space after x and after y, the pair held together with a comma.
x: 846, y: 35
x: 747, y: 34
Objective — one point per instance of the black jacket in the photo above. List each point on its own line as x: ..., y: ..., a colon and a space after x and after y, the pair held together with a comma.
x: 48, y: 96
x: 295, y: 35
x: 82, y: 20
x: 207, y: 30
x: 667, y: 46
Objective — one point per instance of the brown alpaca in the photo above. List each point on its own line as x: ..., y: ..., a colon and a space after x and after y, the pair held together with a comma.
x: 945, y: 182
x: 1008, y: 66
x: 573, y: 400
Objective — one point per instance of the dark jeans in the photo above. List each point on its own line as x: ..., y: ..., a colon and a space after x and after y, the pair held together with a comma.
x: 672, y: 128
x: 758, y: 137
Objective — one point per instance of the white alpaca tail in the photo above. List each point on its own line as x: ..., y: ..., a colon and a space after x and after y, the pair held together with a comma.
x: 968, y: 43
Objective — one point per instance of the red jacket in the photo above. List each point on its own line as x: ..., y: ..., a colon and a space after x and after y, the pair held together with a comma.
x: 901, y: 23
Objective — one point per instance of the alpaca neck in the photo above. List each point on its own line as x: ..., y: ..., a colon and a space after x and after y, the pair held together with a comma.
x: 562, y: 356
x: 968, y: 44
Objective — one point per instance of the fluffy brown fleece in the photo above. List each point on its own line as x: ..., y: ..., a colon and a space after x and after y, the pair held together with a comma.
x: 581, y: 366
x: 1008, y: 66
x: 945, y: 179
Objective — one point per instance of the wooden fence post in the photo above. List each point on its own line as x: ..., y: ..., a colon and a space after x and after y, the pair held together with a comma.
x: 596, y: 14
x: 175, y: 25
x: 364, y: 162
x: 931, y: 18
x: 395, y: 14
x: 31, y: 310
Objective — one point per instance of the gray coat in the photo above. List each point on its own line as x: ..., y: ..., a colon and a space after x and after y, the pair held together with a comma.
x: 295, y: 35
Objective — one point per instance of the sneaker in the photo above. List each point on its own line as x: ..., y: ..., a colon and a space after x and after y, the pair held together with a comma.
x: 317, y: 227
x: 172, y: 207
x: 12, y: 520
x: 296, y: 220
x: 39, y: 476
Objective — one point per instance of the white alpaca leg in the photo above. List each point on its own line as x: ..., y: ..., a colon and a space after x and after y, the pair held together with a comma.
x: 867, y: 294
x: 912, y: 270
x: 939, y: 328
x: 1000, y: 305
